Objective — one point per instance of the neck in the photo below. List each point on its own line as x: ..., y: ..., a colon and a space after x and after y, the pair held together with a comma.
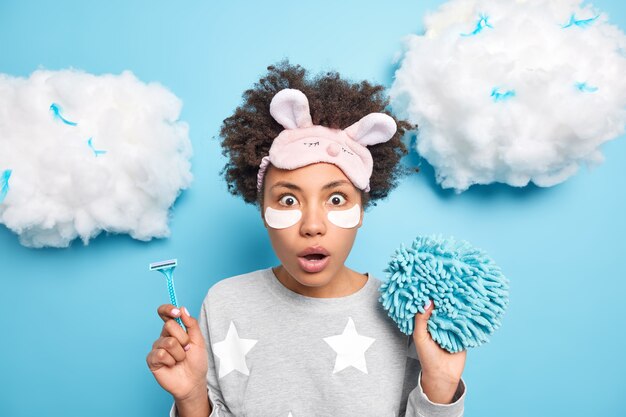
x: 344, y: 283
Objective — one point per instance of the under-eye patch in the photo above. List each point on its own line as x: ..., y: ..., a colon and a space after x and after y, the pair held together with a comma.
x: 346, y: 218
x: 281, y: 219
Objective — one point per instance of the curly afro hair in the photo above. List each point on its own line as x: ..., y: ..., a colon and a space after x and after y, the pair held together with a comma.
x: 334, y: 102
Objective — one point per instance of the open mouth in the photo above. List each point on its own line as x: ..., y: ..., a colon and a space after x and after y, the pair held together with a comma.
x: 314, y: 257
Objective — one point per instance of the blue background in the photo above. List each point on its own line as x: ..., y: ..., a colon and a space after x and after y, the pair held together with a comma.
x: 77, y: 323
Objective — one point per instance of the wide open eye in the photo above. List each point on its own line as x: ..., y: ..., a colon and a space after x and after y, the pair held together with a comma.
x: 288, y: 200
x: 337, y: 199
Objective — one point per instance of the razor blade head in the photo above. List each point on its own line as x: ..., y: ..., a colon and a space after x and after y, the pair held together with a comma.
x: 155, y: 266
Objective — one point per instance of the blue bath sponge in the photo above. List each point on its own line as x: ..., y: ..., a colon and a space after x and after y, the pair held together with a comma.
x: 468, y: 289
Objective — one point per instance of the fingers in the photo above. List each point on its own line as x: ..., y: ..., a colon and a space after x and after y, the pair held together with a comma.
x: 166, y: 351
x: 421, y: 321
x: 193, y: 329
x: 168, y: 311
x: 193, y: 336
x: 171, y: 347
x: 173, y: 329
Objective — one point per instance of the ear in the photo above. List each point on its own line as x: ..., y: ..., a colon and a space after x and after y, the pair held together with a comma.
x: 362, y: 215
x: 372, y: 129
x: 290, y: 108
x: 263, y: 218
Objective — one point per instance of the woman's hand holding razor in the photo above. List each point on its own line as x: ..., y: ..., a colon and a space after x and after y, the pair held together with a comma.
x: 178, y: 360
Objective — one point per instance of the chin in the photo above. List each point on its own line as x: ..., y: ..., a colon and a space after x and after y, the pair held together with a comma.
x: 313, y: 279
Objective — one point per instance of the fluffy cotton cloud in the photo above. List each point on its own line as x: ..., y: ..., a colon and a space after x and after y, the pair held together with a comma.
x: 512, y: 91
x: 81, y: 154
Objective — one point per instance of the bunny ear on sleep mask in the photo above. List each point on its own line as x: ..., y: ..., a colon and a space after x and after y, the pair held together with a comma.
x: 290, y: 108
x: 372, y: 129
x: 302, y: 143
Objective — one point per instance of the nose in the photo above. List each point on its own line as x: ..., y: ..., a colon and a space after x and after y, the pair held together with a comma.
x: 313, y: 222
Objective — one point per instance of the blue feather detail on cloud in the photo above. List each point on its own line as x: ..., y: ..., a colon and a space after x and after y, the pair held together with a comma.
x: 95, y: 151
x: 498, y: 96
x: 56, y: 110
x: 580, y: 23
x: 586, y: 88
x: 483, y: 22
x: 4, y: 184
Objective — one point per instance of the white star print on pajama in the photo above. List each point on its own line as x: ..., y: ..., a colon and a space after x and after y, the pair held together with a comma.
x: 232, y: 352
x: 350, y: 348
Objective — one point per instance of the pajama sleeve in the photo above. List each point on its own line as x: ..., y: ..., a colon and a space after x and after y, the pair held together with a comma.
x: 418, y: 404
x: 218, y: 407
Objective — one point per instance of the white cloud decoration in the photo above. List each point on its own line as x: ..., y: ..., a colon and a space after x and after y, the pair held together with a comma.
x: 512, y: 91
x: 83, y: 153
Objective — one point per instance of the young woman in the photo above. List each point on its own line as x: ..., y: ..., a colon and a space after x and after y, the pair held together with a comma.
x: 307, y: 337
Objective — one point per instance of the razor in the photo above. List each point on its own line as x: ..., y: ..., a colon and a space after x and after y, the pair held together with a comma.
x: 167, y: 269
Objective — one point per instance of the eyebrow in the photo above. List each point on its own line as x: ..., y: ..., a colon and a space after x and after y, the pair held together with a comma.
x: 292, y: 186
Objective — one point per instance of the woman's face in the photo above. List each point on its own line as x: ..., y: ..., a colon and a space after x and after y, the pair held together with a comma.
x: 315, y: 207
